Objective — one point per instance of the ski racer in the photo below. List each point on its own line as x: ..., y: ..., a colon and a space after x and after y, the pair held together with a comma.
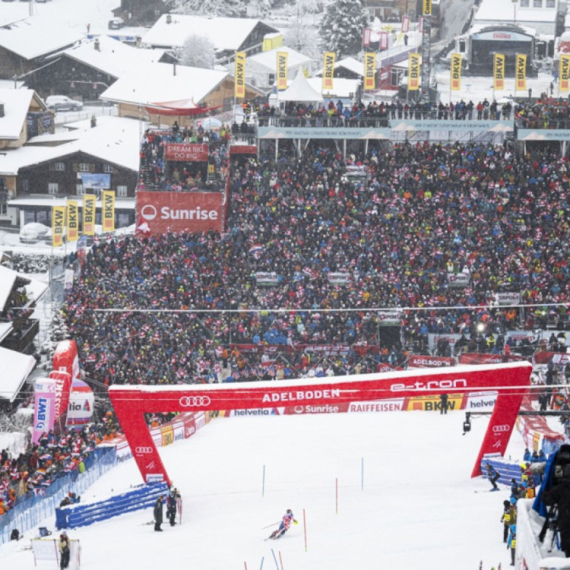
x: 284, y: 525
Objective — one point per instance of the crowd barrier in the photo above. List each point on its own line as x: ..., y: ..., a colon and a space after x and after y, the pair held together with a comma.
x: 507, y: 469
x: 142, y: 497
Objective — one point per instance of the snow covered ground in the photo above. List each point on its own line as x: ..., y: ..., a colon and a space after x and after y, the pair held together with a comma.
x: 418, y: 508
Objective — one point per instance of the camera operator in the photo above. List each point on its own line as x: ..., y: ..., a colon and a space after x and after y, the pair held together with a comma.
x: 559, y: 495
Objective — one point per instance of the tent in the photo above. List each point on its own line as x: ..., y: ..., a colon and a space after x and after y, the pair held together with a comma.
x: 300, y: 91
x: 180, y: 108
x: 16, y: 368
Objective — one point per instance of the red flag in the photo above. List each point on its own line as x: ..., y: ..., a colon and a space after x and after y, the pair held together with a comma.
x: 366, y: 37
x: 62, y: 395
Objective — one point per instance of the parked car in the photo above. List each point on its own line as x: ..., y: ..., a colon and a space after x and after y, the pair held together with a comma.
x: 33, y: 232
x: 63, y: 103
x: 116, y: 24
x: 47, y: 237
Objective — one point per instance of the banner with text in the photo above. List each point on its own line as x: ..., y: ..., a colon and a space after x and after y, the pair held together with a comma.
x: 456, y: 64
x: 369, y: 71
x: 108, y: 213
x: 414, y: 72
x: 565, y: 72
x: 498, y: 72
x: 72, y: 221
x: 57, y: 225
x: 328, y: 70
x: 520, y: 84
x: 282, y: 59
x: 240, y: 74
x: 186, y: 152
x: 89, y: 214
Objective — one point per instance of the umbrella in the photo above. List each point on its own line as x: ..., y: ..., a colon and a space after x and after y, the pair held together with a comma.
x: 211, y: 124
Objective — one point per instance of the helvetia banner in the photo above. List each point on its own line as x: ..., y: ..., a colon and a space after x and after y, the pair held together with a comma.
x: 62, y: 395
x: 499, y: 72
x: 328, y: 70
x: 108, y: 200
x: 414, y: 72
x: 565, y: 72
x: 72, y: 220
x: 282, y: 57
x: 521, y: 72
x: 179, y: 211
x: 57, y: 225
x: 88, y: 214
x: 369, y: 71
x: 44, y: 407
x: 455, y: 71
x: 240, y: 74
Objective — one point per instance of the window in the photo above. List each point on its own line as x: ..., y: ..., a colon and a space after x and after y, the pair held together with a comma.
x: 550, y: 3
x: 537, y: 3
x: 84, y: 167
x: 53, y: 187
x: 271, y: 78
x: 60, y: 166
x: 525, y: 3
x: 121, y: 191
x: 25, y: 185
x: 108, y: 168
x: 79, y: 190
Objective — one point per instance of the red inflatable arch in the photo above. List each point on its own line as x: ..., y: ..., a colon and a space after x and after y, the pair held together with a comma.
x: 511, y: 381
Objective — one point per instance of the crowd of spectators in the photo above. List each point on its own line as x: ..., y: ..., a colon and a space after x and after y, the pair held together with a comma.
x: 423, y: 213
x: 546, y: 113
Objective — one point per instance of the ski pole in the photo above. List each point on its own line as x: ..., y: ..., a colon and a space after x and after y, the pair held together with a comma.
x: 272, y: 524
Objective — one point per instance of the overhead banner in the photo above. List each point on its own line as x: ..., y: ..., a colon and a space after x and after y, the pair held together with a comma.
x: 565, y: 72
x: 414, y: 72
x: 186, y: 152
x: 95, y: 181
x: 44, y: 407
x: 131, y: 403
x: 328, y: 70
x: 426, y: 7
x: 282, y: 58
x: 369, y: 71
x: 498, y: 72
x: 57, y: 225
x: 89, y: 214
x: 162, y: 212
x: 108, y: 215
x: 521, y: 73
x: 456, y: 71
x: 240, y: 74
x: 72, y: 220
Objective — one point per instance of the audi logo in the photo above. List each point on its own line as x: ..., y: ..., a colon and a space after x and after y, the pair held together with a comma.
x: 141, y: 450
x: 195, y: 401
x: 501, y: 429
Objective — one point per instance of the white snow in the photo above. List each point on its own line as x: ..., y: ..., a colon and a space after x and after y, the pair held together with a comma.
x: 418, y: 507
x: 16, y: 106
x: 16, y: 367
x: 268, y: 59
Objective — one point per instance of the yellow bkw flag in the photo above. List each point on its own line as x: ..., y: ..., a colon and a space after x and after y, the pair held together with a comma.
x: 565, y: 72
x: 456, y: 71
x: 521, y: 72
x: 328, y: 70
x: 499, y: 72
x: 88, y: 214
x: 282, y: 58
x: 427, y: 7
x: 57, y: 225
x: 414, y: 72
x: 369, y: 71
x: 72, y: 220
x: 108, y: 200
x: 240, y: 74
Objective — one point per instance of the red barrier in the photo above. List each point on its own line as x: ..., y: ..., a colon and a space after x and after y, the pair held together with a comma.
x: 132, y: 402
x: 65, y: 358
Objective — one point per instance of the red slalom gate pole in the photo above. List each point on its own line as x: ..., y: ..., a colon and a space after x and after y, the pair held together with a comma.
x: 280, y: 560
x: 305, y: 528
x: 245, y: 564
x: 336, y: 485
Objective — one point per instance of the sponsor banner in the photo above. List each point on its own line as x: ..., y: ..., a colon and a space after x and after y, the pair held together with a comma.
x: 475, y: 358
x: 449, y: 125
x: 89, y: 214
x: 164, y: 212
x: 365, y: 37
x: 167, y: 435
x: 72, y: 221
x: 535, y: 431
x: 339, y: 278
x: 565, y: 72
x: 405, y: 24
x: 324, y: 349
x: 95, y: 181
x: 433, y: 403
x: 81, y: 403
x: 57, y: 225
x: 389, y: 318
x: 508, y: 298
x: 369, y: 71
x: 554, y: 357
x: 451, y: 338
x: 242, y: 149
x: 414, y: 68
x: 328, y: 67
x: 108, y: 213
x: 186, y: 152
x: 65, y: 358
x: 252, y: 412
x: 519, y: 336
x: 456, y: 64
x: 44, y: 407
x: 418, y: 361
x: 267, y: 279
x: 383, y: 40
x: 479, y: 401
x: 323, y: 133
x: 498, y: 72
x: 543, y: 135
x: 426, y: 5
x: 520, y: 82
x: 62, y: 397
x: 282, y: 58
x: 504, y: 36
x: 458, y: 279
x: 316, y: 409
x: 240, y: 74
x: 396, y: 405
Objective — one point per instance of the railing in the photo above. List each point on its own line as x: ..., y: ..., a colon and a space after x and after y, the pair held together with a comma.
x: 542, y: 123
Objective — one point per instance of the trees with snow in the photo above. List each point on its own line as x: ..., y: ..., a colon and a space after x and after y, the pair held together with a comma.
x: 208, y: 7
x: 198, y: 51
x: 58, y: 331
x: 342, y: 27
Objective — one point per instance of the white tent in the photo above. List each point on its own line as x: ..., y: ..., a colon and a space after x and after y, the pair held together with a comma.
x: 16, y: 367
x: 301, y: 91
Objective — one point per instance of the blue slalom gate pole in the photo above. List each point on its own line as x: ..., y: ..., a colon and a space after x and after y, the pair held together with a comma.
x: 275, y: 558
x: 262, y: 559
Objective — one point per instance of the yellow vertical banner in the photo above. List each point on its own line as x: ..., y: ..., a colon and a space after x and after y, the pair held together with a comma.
x: 565, y: 72
x: 282, y: 57
x: 520, y: 81
x: 456, y: 64
x: 72, y: 220
x: 414, y: 72
x: 426, y: 7
x: 369, y: 71
x: 240, y: 74
x: 57, y: 225
x: 108, y: 200
x: 88, y: 214
x: 328, y: 69
x: 499, y: 72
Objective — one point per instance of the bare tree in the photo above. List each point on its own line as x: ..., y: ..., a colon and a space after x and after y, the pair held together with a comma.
x: 198, y: 51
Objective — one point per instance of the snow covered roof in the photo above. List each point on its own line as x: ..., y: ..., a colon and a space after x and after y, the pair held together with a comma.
x: 37, y: 36
x: 116, y: 142
x: 478, y: 28
x: 16, y: 106
x: 301, y: 90
x: 224, y: 33
x: 351, y: 64
x: 112, y: 57
x: 157, y: 82
x: 120, y: 203
x: 5, y: 330
x: 504, y: 11
x: 342, y: 88
x: 16, y: 367
x: 268, y: 59
x: 7, y: 280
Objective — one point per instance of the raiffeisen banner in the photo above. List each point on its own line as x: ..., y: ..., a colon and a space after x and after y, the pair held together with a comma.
x: 44, y: 407
x: 179, y: 211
